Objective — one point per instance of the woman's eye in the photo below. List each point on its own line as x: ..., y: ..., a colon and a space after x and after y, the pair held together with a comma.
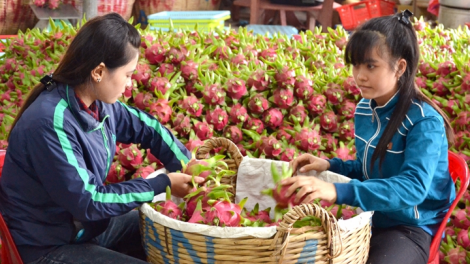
x: 370, y: 66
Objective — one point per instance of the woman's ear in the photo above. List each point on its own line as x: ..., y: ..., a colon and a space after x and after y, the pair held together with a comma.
x: 401, y: 67
x: 97, y: 73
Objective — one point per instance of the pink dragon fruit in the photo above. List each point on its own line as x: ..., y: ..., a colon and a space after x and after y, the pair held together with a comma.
x: 142, y: 74
x: 203, y: 130
x: 254, y: 124
x: 316, y: 105
x: 156, y: 53
x: 349, y: 85
x: 344, y: 152
x: 279, y: 191
x: 142, y: 100
x: 426, y: 68
x: 268, y: 54
x: 258, y: 104
x: 151, y: 159
x: 177, y: 55
x: 214, y: 95
x: 161, y: 110
x: 288, y: 154
x: 239, y: 59
x: 160, y: 84
x: 236, y: 88
x: 329, y: 121
x: 421, y: 82
x: 330, y: 142
x: 116, y: 173
x: 53, y: 4
x: 347, y: 109
x: 143, y: 172
x: 456, y: 256
x: 192, y: 105
x: 259, y: 80
x: 273, y: 118
x: 233, y: 133
x: 346, y: 130
x: 189, y: 70
x: 283, y: 98
x: 285, y: 77
x: 182, y: 124
x: 166, y: 69
x: 238, y: 114
x: 334, y: 94
x: 39, y: 3
x: 299, y: 112
x: 282, y: 133
x: 446, y: 68
x: 303, y: 87
x: 131, y: 158
x: 217, y: 117
x: 168, y: 207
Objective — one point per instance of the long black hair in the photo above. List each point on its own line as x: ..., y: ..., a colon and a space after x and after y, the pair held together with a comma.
x: 109, y: 39
x: 395, y: 36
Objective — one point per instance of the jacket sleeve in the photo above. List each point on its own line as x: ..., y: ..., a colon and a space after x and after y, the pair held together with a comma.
x: 133, y: 125
x: 350, y: 168
x: 424, y: 145
x: 56, y: 158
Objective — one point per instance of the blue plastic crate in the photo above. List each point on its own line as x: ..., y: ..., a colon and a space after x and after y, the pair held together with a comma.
x: 272, y: 30
x: 206, y: 20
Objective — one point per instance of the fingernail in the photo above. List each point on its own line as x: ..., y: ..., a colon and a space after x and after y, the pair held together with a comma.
x: 302, y: 170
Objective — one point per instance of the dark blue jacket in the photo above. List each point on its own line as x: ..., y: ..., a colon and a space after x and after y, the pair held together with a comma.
x: 57, y: 161
x: 414, y: 187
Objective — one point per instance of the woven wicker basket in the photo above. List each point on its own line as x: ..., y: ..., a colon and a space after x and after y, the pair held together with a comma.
x: 325, y: 244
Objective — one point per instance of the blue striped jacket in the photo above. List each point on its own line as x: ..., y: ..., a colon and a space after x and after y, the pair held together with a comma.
x: 57, y: 161
x: 414, y: 186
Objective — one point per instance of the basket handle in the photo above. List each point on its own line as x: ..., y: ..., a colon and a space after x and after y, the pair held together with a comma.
x: 329, y: 224
x: 223, y: 143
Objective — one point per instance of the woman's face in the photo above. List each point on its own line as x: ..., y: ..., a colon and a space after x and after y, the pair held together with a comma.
x: 376, y: 79
x: 114, y: 83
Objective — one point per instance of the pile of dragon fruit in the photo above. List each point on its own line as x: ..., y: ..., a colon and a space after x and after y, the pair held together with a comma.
x: 274, y: 97
x: 211, y: 203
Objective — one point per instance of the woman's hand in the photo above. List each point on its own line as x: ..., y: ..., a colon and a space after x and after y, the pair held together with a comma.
x: 310, y: 188
x: 181, y: 183
x: 308, y: 162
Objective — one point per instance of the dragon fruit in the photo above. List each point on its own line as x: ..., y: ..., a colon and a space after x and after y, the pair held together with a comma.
x: 283, y: 98
x: 116, y: 173
x: 160, y: 84
x: 344, y: 152
x: 330, y: 142
x: 285, y: 77
x: 131, y: 158
x: 214, y: 95
x: 203, y: 130
x: 283, y: 134
x: 192, y: 105
x: 142, y: 100
x: 217, y: 117
x: 268, y: 54
x: 426, y: 69
x: 189, y: 70
x: 299, y: 112
x: 182, y: 124
x: 347, y: 109
x: 177, y: 55
x: 239, y: 59
x: 236, y: 88
x: 142, y: 74
x: 168, y: 207
x: 166, y: 69
x: 303, y: 87
x: 329, y: 121
x: 143, y: 172
x: 279, y: 191
x: 334, y: 94
x: 254, y: 124
x: 161, y: 110
x: 316, y: 105
x: 346, y: 130
x: 39, y: 3
x: 151, y: 159
x: 273, y: 118
x: 446, y: 68
x: 53, y: 4
x: 258, y: 103
x: 156, y: 54
x: 259, y: 80
x: 233, y: 133
x: 238, y: 114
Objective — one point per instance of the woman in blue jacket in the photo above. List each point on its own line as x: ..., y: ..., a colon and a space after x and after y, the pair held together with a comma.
x: 62, y: 144
x: 401, y: 170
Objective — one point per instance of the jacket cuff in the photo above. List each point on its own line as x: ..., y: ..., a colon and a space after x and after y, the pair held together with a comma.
x: 159, y: 183
x: 344, y: 193
x: 335, y: 165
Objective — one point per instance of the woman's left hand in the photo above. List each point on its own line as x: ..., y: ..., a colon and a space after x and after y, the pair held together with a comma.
x: 310, y: 188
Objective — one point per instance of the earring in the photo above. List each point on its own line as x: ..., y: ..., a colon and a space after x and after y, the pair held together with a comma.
x: 98, y: 79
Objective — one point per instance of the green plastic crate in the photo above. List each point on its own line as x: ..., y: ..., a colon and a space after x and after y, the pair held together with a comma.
x: 205, y: 20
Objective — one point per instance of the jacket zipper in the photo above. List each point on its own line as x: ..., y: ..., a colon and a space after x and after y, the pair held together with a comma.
x: 364, y: 166
x: 105, y: 141
x: 416, y: 212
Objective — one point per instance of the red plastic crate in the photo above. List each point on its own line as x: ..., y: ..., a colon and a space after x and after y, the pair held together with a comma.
x: 353, y: 15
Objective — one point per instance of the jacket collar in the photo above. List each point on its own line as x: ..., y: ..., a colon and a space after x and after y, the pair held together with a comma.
x: 387, y: 106
x: 86, y: 121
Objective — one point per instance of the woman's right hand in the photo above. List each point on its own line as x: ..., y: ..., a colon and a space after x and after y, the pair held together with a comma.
x: 181, y: 184
x: 308, y: 162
